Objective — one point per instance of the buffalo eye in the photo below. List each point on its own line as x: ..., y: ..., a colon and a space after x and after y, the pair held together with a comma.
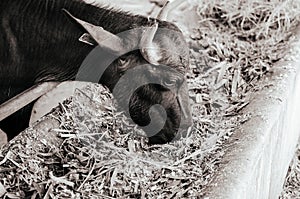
x: 123, y: 63
x: 170, y: 82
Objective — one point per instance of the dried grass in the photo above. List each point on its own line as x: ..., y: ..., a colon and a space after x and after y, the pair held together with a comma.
x: 103, y: 155
x: 292, y: 182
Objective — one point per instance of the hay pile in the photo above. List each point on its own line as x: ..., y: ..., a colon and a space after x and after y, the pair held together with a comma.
x: 104, y: 156
x: 292, y: 182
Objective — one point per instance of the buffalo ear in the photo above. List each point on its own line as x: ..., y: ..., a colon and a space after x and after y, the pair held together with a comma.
x: 88, y: 39
x: 102, y: 37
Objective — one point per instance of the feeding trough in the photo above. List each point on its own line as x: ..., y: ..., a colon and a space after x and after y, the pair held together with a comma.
x: 257, y: 156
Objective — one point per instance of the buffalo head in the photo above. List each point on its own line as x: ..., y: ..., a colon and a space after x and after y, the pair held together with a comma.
x: 145, y: 68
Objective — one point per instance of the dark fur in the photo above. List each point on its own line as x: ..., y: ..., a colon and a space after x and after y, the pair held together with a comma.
x: 39, y: 43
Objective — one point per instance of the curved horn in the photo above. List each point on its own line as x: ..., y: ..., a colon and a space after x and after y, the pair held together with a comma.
x: 163, y: 13
x: 148, y: 50
x: 104, y: 38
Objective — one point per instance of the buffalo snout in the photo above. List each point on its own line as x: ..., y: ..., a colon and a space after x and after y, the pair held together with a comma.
x: 176, y: 115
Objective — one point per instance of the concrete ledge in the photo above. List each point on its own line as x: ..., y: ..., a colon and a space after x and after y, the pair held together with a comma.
x: 259, y: 152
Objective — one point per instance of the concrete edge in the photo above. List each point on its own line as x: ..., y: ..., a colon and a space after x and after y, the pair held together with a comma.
x: 246, y: 144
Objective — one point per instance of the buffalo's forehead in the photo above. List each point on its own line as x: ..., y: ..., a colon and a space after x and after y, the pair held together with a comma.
x: 167, y: 72
x: 174, y: 49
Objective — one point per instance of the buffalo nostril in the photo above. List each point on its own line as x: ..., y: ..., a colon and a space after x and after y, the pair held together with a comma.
x: 158, y: 118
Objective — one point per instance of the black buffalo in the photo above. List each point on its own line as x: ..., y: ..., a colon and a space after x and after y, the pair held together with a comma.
x: 39, y: 42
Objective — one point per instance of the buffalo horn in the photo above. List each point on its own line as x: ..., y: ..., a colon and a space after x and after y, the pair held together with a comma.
x: 150, y: 52
x: 163, y: 14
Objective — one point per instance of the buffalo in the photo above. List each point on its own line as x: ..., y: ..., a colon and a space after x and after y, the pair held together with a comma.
x: 48, y: 40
